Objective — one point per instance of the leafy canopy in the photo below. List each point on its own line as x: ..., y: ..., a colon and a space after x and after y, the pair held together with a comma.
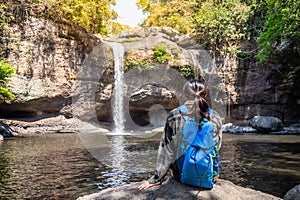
x: 281, y: 27
x: 96, y: 16
x: 6, y: 71
x: 177, y: 14
x: 222, y: 25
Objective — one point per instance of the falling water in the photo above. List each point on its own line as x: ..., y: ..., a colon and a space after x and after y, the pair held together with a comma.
x: 117, y: 104
x: 195, y: 63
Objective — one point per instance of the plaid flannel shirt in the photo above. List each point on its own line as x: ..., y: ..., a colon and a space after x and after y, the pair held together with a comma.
x: 167, y: 152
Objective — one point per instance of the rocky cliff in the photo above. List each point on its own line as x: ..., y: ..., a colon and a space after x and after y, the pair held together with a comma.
x: 46, y: 53
x: 59, y: 66
x: 268, y: 89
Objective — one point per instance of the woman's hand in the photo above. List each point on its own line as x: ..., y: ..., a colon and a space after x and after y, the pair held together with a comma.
x: 146, y: 185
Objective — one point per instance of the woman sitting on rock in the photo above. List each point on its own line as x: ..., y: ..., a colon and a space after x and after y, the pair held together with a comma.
x: 190, y: 143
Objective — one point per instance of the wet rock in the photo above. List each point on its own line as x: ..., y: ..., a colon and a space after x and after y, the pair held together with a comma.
x: 53, y: 124
x: 6, y: 131
x: 293, y: 194
x: 171, y: 189
x: 292, y: 129
x: 266, y: 124
x: 230, y: 128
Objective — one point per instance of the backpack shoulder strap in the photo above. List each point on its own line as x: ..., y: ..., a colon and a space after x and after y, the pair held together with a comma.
x: 183, y: 108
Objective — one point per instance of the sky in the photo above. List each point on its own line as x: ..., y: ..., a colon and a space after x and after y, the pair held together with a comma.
x: 128, y: 12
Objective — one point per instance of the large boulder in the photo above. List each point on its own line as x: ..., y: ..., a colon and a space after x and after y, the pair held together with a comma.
x: 293, y: 194
x: 6, y: 131
x: 266, y: 123
x: 223, y: 190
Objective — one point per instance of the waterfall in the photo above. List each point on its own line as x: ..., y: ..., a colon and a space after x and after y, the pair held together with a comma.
x: 118, y: 94
x: 195, y: 63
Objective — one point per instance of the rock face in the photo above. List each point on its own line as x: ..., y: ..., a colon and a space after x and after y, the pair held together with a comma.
x: 6, y: 131
x: 46, y: 54
x: 223, y: 190
x: 293, y: 194
x: 52, y: 77
x: 266, y: 123
x: 48, y: 125
x: 267, y: 89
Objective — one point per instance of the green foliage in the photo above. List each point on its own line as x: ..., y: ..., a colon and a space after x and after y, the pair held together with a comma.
x: 217, y: 24
x: 2, y: 17
x: 187, y: 71
x: 6, y: 71
x: 244, y: 55
x: 255, y: 22
x: 145, y: 68
x: 5, y: 95
x: 142, y: 66
x: 95, y: 16
x: 176, y: 14
x: 128, y: 40
x: 221, y: 24
x: 281, y: 27
x: 161, y: 54
x: 116, y: 28
x: 134, y: 63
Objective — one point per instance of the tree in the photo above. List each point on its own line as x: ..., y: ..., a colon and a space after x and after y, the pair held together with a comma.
x: 93, y: 15
x: 221, y: 24
x: 281, y: 27
x: 215, y: 23
x: 177, y: 14
x: 6, y: 71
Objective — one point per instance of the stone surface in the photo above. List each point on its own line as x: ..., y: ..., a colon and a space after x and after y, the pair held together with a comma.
x: 266, y: 123
x: 230, y: 128
x: 293, y: 194
x: 46, y: 54
x: 6, y: 131
x: 52, y: 124
x: 267, y: 89
x: 223, y: 190
x: 52, y: 72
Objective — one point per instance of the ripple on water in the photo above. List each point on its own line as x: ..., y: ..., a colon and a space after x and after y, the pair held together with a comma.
x: 60, y: 167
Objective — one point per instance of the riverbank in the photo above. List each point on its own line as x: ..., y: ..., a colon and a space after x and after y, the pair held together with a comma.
x: 60, y: 124
x: 171, y: 189
x: 50, y: 125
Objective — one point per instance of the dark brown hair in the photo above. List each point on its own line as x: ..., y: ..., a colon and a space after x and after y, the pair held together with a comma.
x: 197, y: 90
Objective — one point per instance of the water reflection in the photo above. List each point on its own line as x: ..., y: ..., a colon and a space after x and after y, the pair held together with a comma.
x: 45, y: 167
x: 118, y: 176
x: 262, y: 163
x: 128, y: 160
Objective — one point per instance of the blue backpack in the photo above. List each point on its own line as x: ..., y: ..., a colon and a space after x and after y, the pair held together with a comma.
x: 197, y: 154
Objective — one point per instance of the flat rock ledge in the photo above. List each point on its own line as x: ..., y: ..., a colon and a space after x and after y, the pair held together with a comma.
x: 171, y: 189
